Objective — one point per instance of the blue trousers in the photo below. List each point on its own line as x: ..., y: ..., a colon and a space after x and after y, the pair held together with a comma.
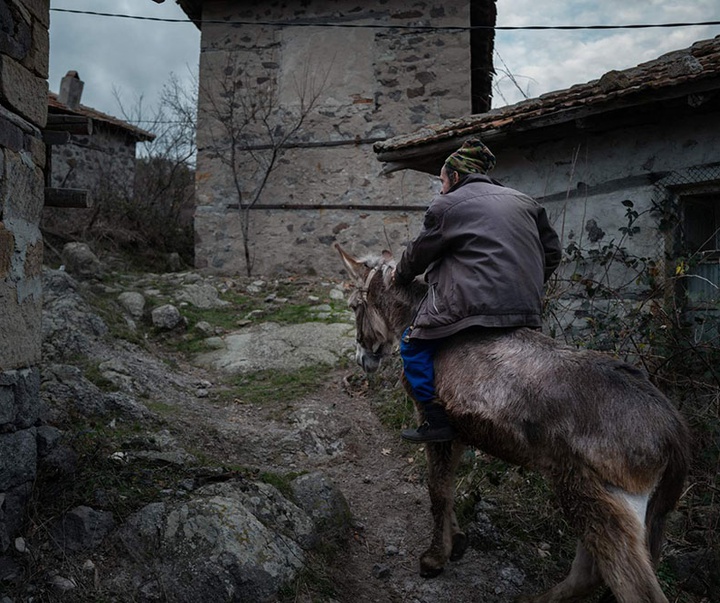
x: 418, y: 356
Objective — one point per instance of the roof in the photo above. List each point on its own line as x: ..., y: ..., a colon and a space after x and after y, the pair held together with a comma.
x: 675, y: 75
x: 55, y: 106
x: 193, y: 9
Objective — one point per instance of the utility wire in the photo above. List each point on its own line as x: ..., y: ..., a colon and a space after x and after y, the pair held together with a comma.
x: 377, y: 26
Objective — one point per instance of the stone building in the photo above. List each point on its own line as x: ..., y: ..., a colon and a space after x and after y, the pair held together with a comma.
x: 628, y: 167
x: 24, y: 43
x: 98, y: 158
x: 354, y: 73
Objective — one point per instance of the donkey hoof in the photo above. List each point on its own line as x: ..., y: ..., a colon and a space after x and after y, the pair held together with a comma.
x: 430, y: 566
x: 430, y: 572
x: 459, y: 546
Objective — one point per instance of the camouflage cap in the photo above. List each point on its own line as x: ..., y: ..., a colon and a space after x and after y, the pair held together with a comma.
x: 472, y: 157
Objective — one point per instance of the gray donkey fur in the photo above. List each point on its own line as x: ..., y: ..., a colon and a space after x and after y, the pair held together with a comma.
x: 612, y: 446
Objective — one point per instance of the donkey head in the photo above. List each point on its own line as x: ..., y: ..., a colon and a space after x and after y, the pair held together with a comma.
x: 374, y: 335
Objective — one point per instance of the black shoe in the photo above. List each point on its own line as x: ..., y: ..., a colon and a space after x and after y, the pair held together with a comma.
x: 427, y: 433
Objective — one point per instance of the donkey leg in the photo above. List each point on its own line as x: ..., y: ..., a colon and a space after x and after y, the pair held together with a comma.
x: 447, y: 539
x: 583, y: 579
x: 617, y: 538
x: 612, y: 524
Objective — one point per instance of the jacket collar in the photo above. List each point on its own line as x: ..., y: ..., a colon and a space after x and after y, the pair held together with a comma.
x: 469, y: 178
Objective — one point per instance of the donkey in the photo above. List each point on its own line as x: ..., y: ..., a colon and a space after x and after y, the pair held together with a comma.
x: 614, y: 449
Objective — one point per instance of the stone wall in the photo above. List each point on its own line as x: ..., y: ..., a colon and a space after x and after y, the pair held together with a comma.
x: 24, y: 43
x: 372, y: 83
x: 103, y: 164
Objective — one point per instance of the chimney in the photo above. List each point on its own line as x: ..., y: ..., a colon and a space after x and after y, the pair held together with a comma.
x: 71, y: 88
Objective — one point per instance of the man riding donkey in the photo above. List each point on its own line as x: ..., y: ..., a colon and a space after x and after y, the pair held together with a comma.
x: 486, y: 251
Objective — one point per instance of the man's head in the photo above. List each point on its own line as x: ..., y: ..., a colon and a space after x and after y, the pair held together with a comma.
x: 473, y: 157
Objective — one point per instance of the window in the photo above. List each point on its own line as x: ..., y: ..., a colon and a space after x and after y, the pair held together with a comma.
x: 701, y: 245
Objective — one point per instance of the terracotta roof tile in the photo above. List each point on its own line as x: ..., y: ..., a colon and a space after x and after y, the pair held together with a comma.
x: 54, y: 105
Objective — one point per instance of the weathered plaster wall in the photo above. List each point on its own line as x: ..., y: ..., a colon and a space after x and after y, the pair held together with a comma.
x: 587, y: 176
x: 583, y: 180
x: 24, y: 46
x: 373, y: 83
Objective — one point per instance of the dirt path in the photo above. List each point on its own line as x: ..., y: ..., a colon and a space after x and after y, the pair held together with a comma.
x: 334, y: 430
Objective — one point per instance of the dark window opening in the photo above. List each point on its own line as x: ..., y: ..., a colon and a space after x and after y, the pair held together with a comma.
x: 701, y: 248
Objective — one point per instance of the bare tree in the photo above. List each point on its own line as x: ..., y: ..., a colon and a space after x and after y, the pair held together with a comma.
x: 157, y: 216
x: 251, y: 129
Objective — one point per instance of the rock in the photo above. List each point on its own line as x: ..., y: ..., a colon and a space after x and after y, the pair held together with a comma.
x: 324, y: 503
x: 13, y: 513
x: 18, y: 458
x: 83, y: 528
x: 125, y: 406
x: 61, y: 584
x: 161, y: 448
x: 89, y: 569
x: 20, y: 398
x: 391, y: 550
x: 166, y: 317
x: 69, y: 326
x: 285, y: 347
x: 380, y: 571
x: 81, y: 262
x: 174, y: 262
x: 47, y: 439
x: 205, y: 328
x: 61, y: 459
x: 214, y: 547
x: 21, y: 545
x: 133, y: 302
x: 65, y: 389
x: 201, y: 296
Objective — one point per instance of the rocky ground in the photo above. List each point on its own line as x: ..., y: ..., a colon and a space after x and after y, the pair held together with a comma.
x: 171, y: 439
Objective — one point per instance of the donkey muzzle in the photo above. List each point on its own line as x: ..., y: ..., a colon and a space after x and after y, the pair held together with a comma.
x: 369, y: 361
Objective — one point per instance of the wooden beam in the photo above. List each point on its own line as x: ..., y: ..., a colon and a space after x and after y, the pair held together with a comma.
x: 53, y: 137
x: 75, y: 124
x: 67, y: 197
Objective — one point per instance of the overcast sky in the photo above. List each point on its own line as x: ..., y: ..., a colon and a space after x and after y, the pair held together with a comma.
x: 137, y: 57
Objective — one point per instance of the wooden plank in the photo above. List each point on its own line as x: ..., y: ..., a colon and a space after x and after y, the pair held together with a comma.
x: 67, y: 197
x: 75, y: 124
x: 52, y: 137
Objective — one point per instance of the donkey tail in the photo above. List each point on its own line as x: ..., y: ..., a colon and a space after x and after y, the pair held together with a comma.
x: 667, y: 492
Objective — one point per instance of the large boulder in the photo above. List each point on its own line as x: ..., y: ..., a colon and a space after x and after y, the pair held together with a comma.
x: 81, y: 529
x: 232, y: 541
x: 70, y: 327
x: 81, y: 262
x: 201, y: 296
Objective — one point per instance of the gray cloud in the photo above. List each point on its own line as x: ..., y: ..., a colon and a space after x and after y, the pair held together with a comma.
x: 134, y: 57
x: 137, y: 57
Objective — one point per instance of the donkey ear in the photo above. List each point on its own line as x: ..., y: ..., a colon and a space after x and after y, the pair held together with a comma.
x: 357, y: 269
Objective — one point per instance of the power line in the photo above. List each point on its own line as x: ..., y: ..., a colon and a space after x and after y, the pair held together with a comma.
x: 413, y: 27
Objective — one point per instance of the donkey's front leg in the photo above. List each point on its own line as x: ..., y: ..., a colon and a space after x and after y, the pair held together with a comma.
x: 447, y: 540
